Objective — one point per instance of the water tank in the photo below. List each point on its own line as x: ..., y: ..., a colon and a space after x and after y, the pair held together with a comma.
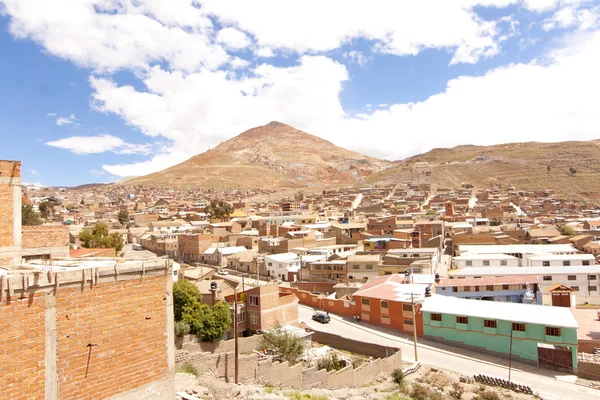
x: 213, y: 285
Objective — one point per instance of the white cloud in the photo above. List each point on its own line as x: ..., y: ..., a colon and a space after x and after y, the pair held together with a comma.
x: 99, y: 144
x: 358, y: 57
x: 50, y: 114
x: 233, y: 39
x: 238, y: 63
x: 70, y: 120
x: 582, y: 17
x: 264, y: 52
x: 33, y: 171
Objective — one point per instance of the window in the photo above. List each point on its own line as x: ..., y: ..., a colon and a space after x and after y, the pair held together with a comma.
x: 476, y: 289
x: 547, y: 278
x: 455, y: 289
x: 503, y: 263
x: 585, y: 262
x: 385, y: 319
x: 466, y: 288
x: 270, y: 264
x: 369, y: 266
x: 550, y: 331
x: 507, y: 298
x: 490, y: 323
x: 566, y: 263
x: 241, y: 317
x: 504, y: 287
x: 575, y: 288
x: 489, y: 288
x: 486, y: 263
x: 469, y: 263
x: 518, y: 327
x: 365, y: 302
x: 435, y: 317
x: 254, y: 320
x: 408, y: 322
x: 384, y: 304
x: 591, y: 277
x: 355, y: 267
x: 571, y: 277
x: 592, y: 288
x: 462, y: 320
x: 406, y: 307
x: 546, y: 263
x: 253, y: 300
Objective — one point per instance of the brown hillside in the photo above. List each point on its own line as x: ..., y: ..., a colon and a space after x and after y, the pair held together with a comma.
x: 523, y: 165
x: 271, y: 156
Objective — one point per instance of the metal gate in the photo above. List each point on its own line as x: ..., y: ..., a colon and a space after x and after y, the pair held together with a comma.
x: 561, y: 299
x: 555, y: 357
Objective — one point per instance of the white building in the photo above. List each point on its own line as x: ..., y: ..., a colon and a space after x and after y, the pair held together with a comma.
x: 523, y: 252
x: 584, y: 280
x: 485, y: 260
x: 561, y: 260
x: 285, y: 266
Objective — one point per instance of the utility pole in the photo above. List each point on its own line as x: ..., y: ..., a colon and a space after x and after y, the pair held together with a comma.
x: 510, y: 353
x: 412, y: 301
x: 235, y: 332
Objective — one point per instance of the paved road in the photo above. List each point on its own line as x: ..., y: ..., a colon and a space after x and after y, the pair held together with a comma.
x: 550, y: 385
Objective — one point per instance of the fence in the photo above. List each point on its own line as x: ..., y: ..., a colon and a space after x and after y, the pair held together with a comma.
x: 493, y: 381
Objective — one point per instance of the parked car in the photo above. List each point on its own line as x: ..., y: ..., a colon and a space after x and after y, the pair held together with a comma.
x: 222, y: 272
x: 321, y: 317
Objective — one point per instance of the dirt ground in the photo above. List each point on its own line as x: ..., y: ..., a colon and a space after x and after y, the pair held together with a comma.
x: 425, y: 384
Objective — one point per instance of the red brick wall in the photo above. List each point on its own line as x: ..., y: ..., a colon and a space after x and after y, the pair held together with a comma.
x: 45, y: 236
x: 7, y: 169
x: 127, y: 319
x: 22, y: 343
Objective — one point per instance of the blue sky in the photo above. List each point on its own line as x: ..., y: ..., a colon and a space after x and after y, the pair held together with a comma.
x: 94, y: 90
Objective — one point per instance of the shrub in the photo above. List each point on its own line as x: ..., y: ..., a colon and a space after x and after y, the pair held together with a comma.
x: 457, y: 391
x: 487, y: 394
x: 331, y: 362
x: 422, y: 392
x: 287, y: 346
x: 181, y: 328
x: 398, y: 376
x: 188, y: 368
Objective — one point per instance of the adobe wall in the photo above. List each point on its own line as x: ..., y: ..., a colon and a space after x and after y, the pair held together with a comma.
x: 353, y: 346
x: 587, y: 346
x: 88, y: 333
x: 320, y: 287
x: 588, y: 370
x: 245, y: 344
x: 335, y: 306
x: 52, y: 239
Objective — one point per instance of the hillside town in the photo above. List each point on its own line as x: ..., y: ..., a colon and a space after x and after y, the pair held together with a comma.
x: 501, y: 275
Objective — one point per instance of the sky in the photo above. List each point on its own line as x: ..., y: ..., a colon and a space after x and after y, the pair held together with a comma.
x: 97, y: 90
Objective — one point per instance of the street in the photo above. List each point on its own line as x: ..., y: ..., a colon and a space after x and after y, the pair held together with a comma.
x: 551, y: 385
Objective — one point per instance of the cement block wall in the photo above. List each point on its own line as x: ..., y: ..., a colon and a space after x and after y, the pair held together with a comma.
x: 87, y: 334
x: 354, y: 346
x: 588, y: 370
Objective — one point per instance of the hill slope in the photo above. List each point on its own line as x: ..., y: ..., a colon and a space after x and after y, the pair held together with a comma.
x: 523, y: 165
x: 275, y: 156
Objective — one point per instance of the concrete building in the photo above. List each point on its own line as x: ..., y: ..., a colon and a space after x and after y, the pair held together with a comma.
x: 541, y: 336
x: 513, y: 289
x: 363, y: 266
x: 285, y: 267
x: 523, y: 252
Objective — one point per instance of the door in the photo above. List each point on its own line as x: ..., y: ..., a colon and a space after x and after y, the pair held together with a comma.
x: 556, y: 358
x: 561, y: 299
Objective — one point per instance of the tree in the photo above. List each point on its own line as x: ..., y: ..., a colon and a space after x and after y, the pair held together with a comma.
x: 99, y: 237
x: 209, y: 324
x: 573, y: 170
x: 566, y: 230
x: 219, y: 209
x: 123, y: 217
x: 46, y: 209
x: 495, y: 222
x: 287, y: 346
x: 331, y: 362
x: 28, y: 216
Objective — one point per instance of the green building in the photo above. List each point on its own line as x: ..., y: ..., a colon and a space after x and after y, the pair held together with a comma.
x: 542, y: 336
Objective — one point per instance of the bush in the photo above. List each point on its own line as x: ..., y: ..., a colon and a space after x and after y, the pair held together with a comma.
x: 398, y: 376
x: 331, y: 363
x: 181, y: 328
x: 287, y: 346
x: 457, y: 391
x: 487, y: 394
x: 422, y: 392
x: 188, y: 368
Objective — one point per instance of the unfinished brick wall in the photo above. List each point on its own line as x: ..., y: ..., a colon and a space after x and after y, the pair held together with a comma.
x: 127, y: 322
x: 8, y: 169
x: 45, y: 236
x: 22, y: 343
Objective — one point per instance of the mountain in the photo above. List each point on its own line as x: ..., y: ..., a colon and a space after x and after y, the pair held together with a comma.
x: 523, y: 165
x: 272, y: 156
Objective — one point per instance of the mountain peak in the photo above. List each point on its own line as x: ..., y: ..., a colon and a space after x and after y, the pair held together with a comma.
x: 274, y: 124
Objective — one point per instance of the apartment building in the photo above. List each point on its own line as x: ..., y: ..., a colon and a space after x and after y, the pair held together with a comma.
x: 363, y: 266
x: 285, y: 266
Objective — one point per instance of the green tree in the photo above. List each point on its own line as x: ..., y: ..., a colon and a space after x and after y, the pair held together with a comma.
x: 331, y: 362
x: 573, y: 170
x: 566, y: 230
x: 287, y: 346
x: 29, y: 217
x: 184, y: 292
x: 99, y: 237
x: 216, y: 322
x: 495, y: 222
x: 219, y: 209
x: 123, y: 217
x: 46, y: 209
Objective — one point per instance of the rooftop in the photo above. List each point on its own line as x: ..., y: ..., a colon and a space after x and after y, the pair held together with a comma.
x: 393, y: 288
x: 512, y: 312
x: 517, y: 248
x: 509, y: 271
x: 487, y: 281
